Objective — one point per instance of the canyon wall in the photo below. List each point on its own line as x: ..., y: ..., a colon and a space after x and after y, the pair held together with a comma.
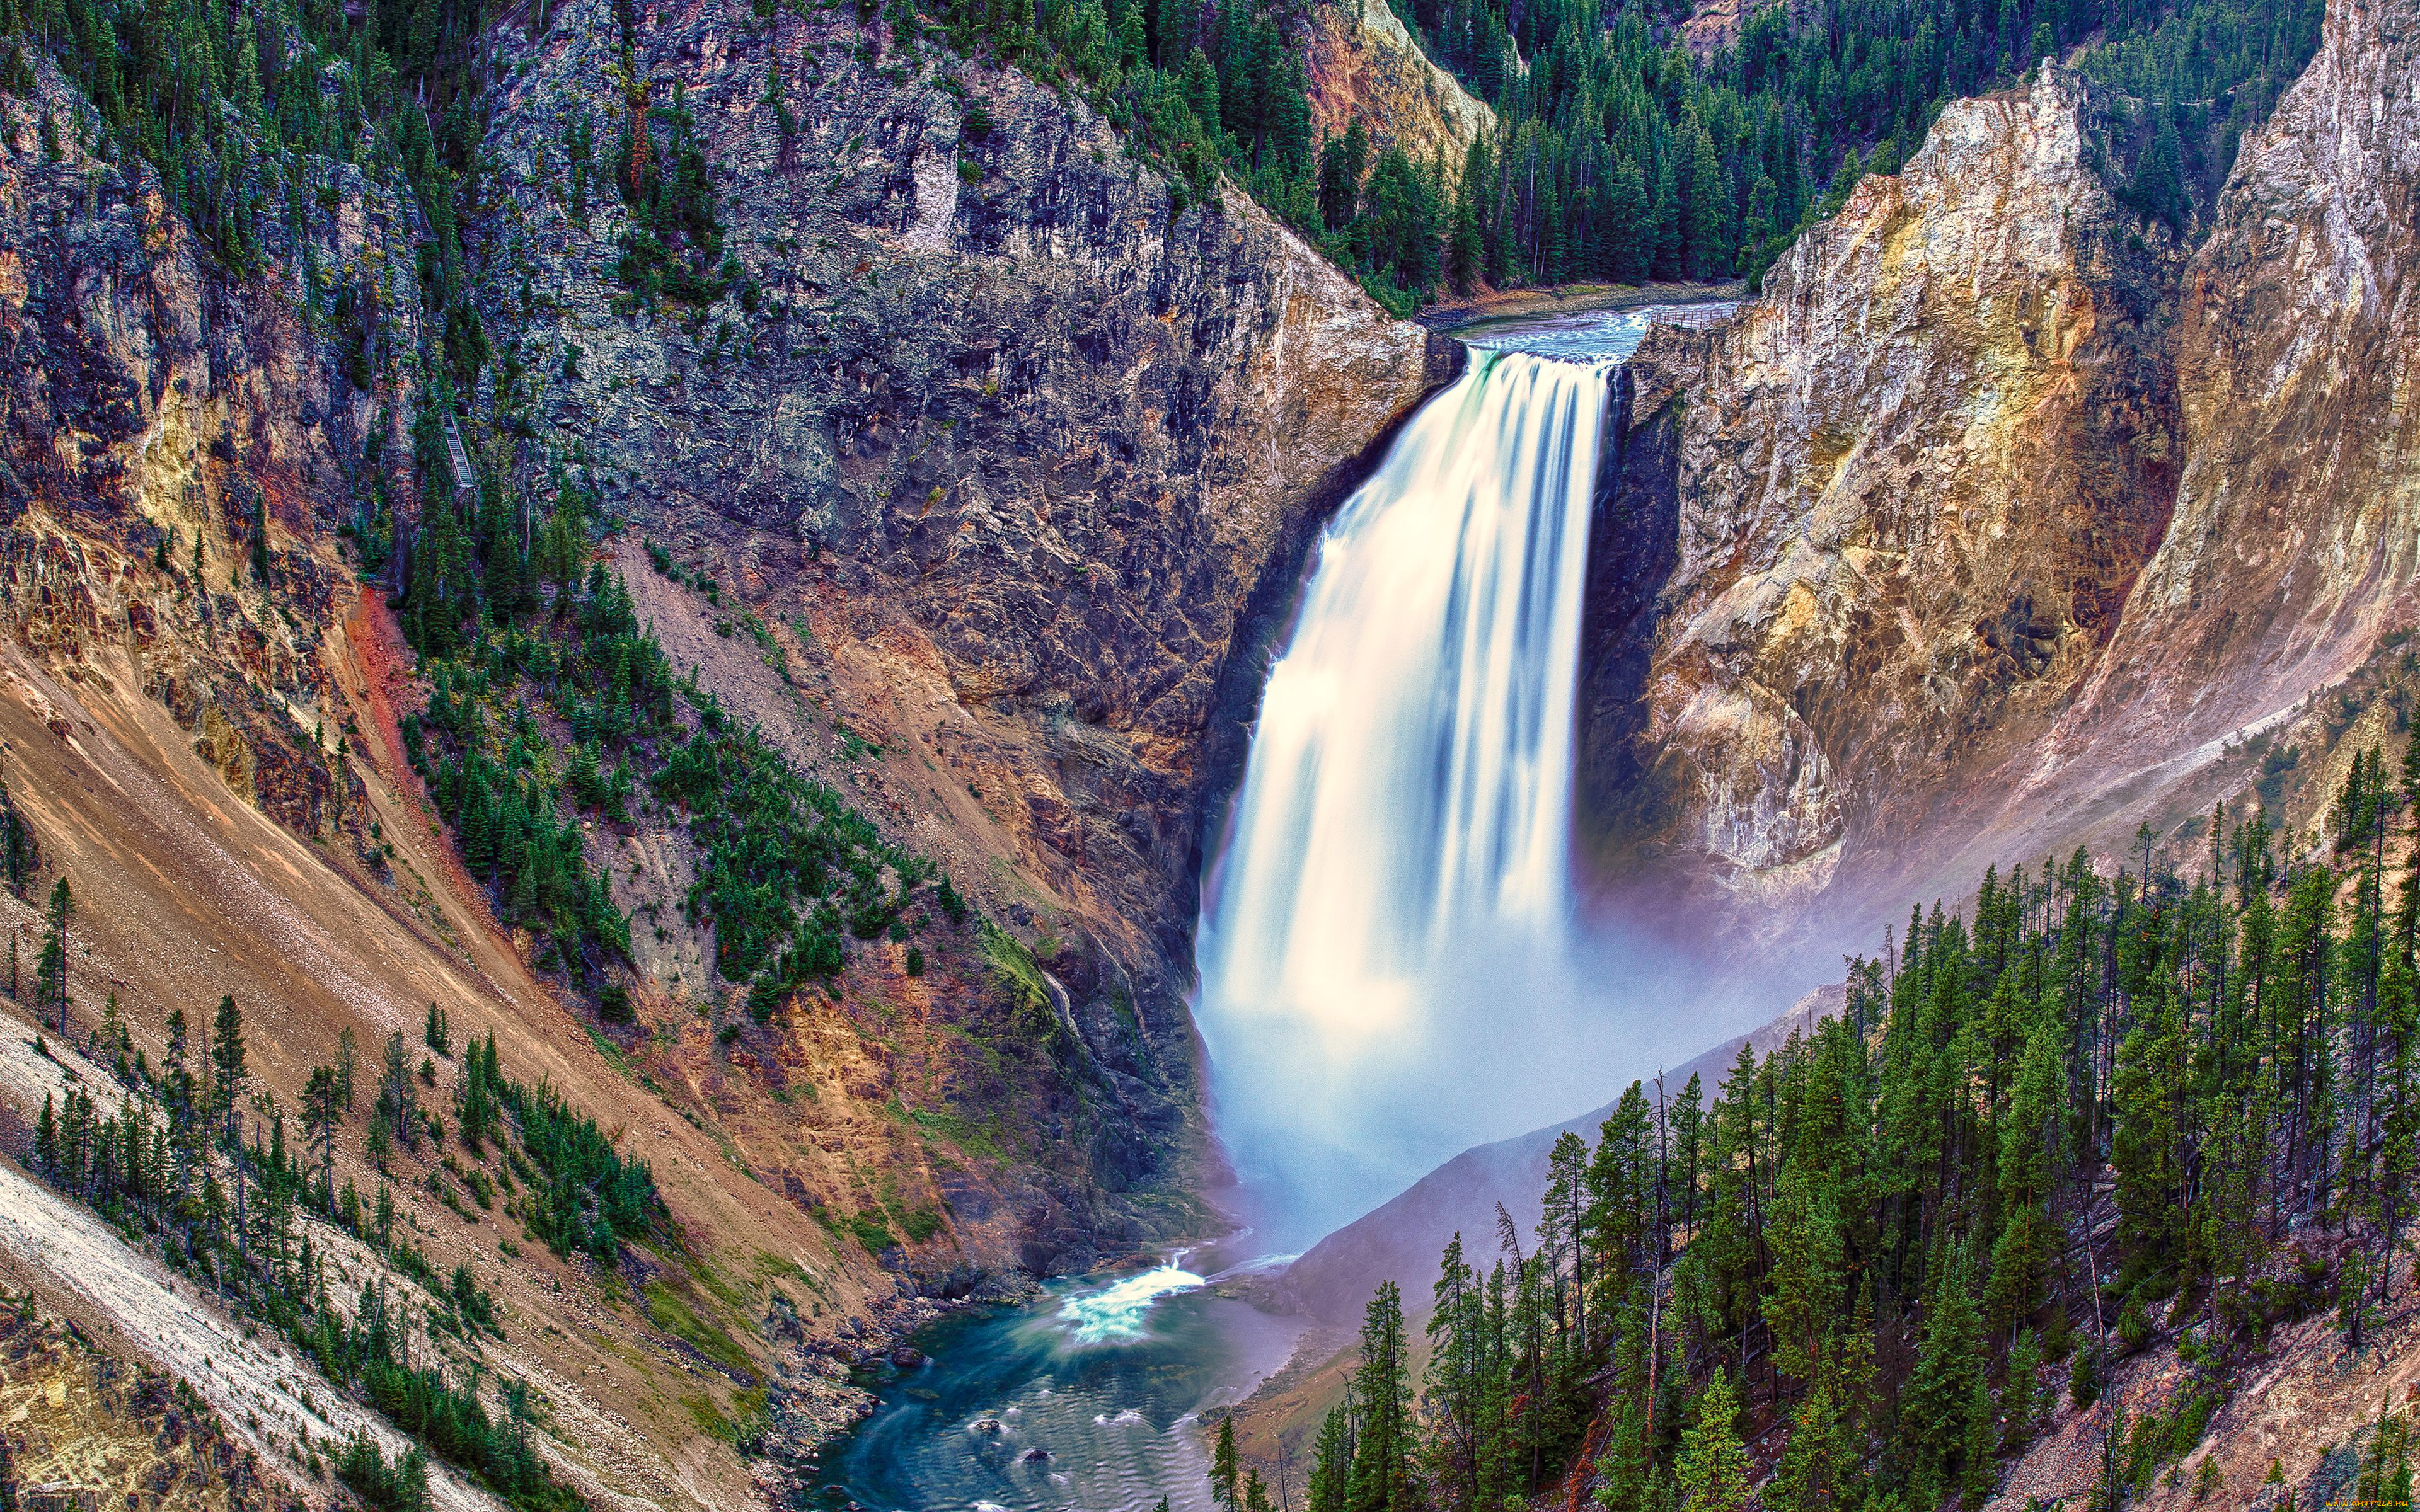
x: 2003, y: 509
x: 197, y: 733
x: 170, y: 432
x: 1013, y: 460
x: 2297, y: 516
x: 981, y: 490
x: 1358, y: 60
x: 2002, y: 522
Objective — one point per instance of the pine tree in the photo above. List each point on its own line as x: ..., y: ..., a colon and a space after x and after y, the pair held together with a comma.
x: 1562, y: 1238
x: 1666, y: 244
x: 1710, y: 218
x: 1256, y: 1496
x: 1342, y: 161
x: 50, y: 971
x: 1331, y: 1472
x: 2023, y: 1398
x: 2158, y: 191
x: 1381, y: 1476
x: 1936, y: 1412
x: 18, y: 851
x: 322, y: 1111
x: 229, y: 1072
x: 1712, y: 1470
x: 46, y: 1139
x: 1226, y: 1468
x: 480, y: 1085
x: 1467, y: 252
x: 1808, y: 1477
x: 1626, y: 225
x: 1459, y: 1359
x: 2352, y: 1298
x: 1804, y: 1234
x: 1625, y: 1469
x: 397, y: 1103
x: 1977, y: 1470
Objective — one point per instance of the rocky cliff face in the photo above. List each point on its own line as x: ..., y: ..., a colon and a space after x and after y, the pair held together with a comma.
x: 1359, y: 61
x: 196, y: 701
x: 2297, y: 519
x: 1911, y: 487
x: 1013, y: 468
x: 169, y: 433
x: 981, y: 490
x: 2004, y: 521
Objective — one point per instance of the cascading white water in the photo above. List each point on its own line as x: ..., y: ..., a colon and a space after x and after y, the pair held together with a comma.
x: 1390, y: 908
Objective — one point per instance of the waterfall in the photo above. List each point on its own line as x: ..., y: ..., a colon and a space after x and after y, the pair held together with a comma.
x: 1387, y: 915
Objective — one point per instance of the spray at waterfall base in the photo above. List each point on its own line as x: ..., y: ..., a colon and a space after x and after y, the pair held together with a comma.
x: 1390, y: 972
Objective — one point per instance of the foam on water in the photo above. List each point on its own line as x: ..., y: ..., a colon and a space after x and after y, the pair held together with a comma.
x: 1105, y: 1377
x: 1120, y: 1313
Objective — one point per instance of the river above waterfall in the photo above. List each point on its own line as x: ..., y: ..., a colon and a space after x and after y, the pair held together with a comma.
x: 1103, y: 1378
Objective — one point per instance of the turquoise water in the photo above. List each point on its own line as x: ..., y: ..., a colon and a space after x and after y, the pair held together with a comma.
x: 1105, y: 1378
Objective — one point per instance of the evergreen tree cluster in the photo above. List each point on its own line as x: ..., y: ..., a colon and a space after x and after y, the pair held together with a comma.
x: 2109, y: 1111
x: 789, y: 870
x: 548, y: 700
x: 1206, y: 89
x: 499, y: 779
x: 1619, y: 154
x: 401, y: 1486
x: 2188, y: 89
x: 585, y: 1198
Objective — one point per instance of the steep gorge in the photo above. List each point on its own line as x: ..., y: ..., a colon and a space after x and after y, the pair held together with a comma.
x: 980, y: 494
x: 2004, y: 508
x: 2001, y: 523
x: 982, y: 488
x: 2291, y: 552
x: 1913, y: 485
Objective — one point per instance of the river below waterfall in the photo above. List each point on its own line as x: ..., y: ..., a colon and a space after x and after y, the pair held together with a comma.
x: 1102, y: 1378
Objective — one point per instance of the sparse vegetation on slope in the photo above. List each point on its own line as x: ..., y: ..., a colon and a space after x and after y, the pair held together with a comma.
x: 787, y: 871
x: 168, y: 1167
x: 71, y: 1414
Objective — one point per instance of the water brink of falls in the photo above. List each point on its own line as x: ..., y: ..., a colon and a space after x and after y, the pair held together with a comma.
x: 1389, y: 910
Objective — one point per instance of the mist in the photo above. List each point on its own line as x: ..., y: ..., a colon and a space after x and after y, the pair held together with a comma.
x: 1327, y: 1111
